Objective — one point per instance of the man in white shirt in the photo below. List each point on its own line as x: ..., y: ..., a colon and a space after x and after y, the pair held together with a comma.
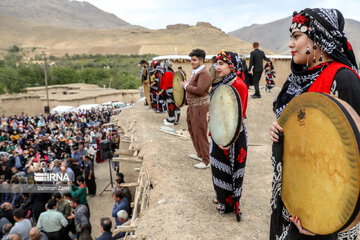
x: 197, y: 96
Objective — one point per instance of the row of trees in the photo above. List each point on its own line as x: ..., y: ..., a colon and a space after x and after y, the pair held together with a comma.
x: 116, y: 71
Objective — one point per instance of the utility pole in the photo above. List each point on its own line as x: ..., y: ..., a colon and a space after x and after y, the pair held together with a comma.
x: 47, y: 107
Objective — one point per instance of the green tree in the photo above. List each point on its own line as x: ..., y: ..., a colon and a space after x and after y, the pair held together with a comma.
x: 14, y: 49
x: 63, y: 75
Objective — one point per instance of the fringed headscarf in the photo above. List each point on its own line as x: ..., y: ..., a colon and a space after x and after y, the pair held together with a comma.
x: 168, y: 66
x: 235, y: 65
x: 325, y: 27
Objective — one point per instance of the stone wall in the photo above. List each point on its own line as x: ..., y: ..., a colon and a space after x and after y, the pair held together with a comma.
x: 34, y: 104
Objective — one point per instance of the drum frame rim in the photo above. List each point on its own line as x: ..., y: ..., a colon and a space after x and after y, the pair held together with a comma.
x: 238, y: 127
x: 356, y: 131
x: 183, y: 80
x: 352, y: 123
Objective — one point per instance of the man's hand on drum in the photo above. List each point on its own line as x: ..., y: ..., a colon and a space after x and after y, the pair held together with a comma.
x: 302, y: 230
x: 275, y: 129
x: 182, y: 84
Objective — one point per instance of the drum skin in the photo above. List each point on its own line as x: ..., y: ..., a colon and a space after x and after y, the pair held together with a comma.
x: 178, y: 90
x: 321, y: 168
x: 225, y: 115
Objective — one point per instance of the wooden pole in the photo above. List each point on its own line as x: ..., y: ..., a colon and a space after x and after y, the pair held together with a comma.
x: 46, y: 83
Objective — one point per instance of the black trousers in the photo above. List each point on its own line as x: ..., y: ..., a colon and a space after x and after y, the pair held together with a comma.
x: 256, y: 79
x: 91, y: 185
x: 55, y: 235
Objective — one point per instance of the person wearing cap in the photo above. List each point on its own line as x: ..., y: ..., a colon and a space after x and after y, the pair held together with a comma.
x: 122, y: 217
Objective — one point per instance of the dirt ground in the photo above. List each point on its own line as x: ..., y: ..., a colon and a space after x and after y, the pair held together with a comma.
x: 181, y: 201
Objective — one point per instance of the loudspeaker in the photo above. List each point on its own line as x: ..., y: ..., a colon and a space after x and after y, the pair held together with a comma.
x: 105, y: 149
x: 47, y: 109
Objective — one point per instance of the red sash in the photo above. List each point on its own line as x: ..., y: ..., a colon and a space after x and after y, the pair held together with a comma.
x: 325, y: 79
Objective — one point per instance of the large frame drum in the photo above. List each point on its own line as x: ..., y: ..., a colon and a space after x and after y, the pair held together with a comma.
x: 225, y: 115
x: 178, y: 91
x: 321, y: 170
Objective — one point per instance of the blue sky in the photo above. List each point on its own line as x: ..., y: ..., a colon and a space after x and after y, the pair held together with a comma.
x: 228, y: 15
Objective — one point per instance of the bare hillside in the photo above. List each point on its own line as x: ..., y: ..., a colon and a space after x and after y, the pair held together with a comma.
x: 176, y: 39
x: 63, y: 13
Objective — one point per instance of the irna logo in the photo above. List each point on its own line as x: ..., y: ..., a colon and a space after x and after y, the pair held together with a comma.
x: 51, y: 177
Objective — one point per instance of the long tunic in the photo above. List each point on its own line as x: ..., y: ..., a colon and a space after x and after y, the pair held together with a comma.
x: 166, y: 84
x: 228, y: 166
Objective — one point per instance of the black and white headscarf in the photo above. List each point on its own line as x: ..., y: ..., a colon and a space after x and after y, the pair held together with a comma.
x: 325, y: 27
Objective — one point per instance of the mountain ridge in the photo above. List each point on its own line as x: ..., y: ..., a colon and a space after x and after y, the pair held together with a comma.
x: 63, y: 13
x: 177, y: 39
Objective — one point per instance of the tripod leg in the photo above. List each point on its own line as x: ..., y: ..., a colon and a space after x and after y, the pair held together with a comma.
x: 111, y: 181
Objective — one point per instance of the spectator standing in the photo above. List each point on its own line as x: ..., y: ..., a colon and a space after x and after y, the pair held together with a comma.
x: 89, y: 175
x: 82, y: 221
x: 80, y: 190
x: 52, y: 222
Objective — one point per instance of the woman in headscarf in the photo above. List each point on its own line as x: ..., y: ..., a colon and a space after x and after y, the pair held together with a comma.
x: 323, y: 61
x: 166, y: 86
x: 158, y: 100
x: 228, y: 164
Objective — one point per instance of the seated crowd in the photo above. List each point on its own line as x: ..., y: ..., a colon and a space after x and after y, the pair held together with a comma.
x: 61, y: 143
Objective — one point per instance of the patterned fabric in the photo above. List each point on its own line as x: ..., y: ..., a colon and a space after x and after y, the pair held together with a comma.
x: 158, y: 102
x: 173, y: 110
x: 228, y: 169
x: 235, y: 64
x: 326, y: 27
x: 297, y: 83
x: 280, y: 226
x: 269, y: 76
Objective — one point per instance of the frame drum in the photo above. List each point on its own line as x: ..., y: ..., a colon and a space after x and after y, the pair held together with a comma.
x: 225, y: 115
x: 178, y: 91
x: 321, y: 167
